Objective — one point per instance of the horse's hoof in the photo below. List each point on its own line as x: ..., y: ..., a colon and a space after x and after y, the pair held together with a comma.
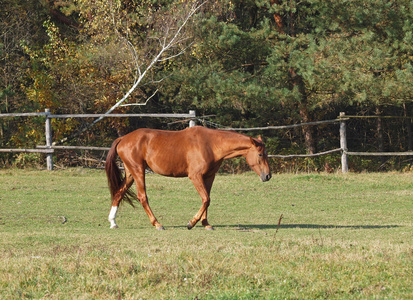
x: 189, y: 226
x: 114, y: 227
x: 160, y: 228
x: 209, y: 227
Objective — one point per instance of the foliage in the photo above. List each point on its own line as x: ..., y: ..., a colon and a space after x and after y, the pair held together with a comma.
x: 248, y: 63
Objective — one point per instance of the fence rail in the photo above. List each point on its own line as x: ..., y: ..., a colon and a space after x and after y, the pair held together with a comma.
x: 27, y: 150
x: 120, y: 116
x: 191, y: 114
x: 35, y: 114
x: 49, y: 148
x: 307, y: 155
x: 407, y: 153
x: 288, y: 126
x: 73, y: 148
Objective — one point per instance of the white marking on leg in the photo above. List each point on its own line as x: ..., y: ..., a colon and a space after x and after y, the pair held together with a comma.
x: 112, y: 217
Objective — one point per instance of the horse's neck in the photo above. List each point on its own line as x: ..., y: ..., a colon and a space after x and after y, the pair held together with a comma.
x: 233, y: 145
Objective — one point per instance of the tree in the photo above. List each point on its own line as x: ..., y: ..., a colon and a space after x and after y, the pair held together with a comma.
x: 163, y: 42
x: 19, y: 20
x: 170, y: 36
x: 299, y: 59
x: 110, y: 60
x: 250, y: 63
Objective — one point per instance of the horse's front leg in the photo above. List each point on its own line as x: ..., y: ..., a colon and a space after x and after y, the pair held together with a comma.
x: 203, y: 186
x: 208, y: 185
x: 204, y: 221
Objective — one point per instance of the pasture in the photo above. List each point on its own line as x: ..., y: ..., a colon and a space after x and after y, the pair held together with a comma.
x: 340, y: 236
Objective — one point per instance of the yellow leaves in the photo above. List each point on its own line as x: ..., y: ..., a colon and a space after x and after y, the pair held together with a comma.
x: 101, y: 102
x: 51, y: 66
x: 57, y: 47
x: 29, y: 134
x: 62, y: 127
x: 41, y: 91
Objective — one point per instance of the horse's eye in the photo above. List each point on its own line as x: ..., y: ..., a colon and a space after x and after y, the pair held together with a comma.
x: 260, y: 154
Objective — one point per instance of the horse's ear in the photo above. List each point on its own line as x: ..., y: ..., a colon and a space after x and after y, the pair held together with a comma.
x: 259, y: 138
x: 254, y: 142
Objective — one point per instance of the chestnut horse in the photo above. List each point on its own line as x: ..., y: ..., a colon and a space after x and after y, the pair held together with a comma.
x: 195, y: 152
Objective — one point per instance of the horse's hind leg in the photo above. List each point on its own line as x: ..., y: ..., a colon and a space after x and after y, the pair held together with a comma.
x: 139, y: 176
x: 127, y: 183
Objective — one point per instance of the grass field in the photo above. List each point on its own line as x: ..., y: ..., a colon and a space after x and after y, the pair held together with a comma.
x: 341, y: 236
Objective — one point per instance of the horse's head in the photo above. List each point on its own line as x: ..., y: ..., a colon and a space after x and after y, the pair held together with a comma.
x: 257, y: 158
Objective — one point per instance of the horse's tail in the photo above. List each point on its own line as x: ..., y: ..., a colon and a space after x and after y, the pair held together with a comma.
x: 114, y: 174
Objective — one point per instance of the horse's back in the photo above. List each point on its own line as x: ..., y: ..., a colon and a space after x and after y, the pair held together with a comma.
x: 170, y: 153
x: 169, y: 138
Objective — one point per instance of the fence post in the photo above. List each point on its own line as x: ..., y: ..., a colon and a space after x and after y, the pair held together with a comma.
x: 343, y: 143
x: 193, y: 115
x: 48, y: 132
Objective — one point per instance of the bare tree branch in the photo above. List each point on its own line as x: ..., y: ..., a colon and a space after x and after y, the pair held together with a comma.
x: 173, y: 56
x: 137, y: 104
x: 156, y: 59
x: 132, y: 48
x: 166, y: 45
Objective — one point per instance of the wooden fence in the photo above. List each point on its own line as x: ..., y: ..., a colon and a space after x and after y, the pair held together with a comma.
x: 191, y: 116
x: 49, y: 147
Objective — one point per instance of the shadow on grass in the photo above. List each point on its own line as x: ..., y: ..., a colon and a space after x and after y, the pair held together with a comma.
x: 304, y: 226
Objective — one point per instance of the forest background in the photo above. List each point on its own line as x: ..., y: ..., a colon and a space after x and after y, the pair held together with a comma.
x: 237, y: 63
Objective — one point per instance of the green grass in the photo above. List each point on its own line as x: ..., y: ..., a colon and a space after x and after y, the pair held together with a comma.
x: 341, y: 236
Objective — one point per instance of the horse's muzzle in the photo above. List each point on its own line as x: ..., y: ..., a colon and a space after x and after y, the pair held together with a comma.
x: 265, y: 177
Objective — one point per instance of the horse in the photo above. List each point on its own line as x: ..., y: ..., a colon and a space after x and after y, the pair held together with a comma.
x: 195, y: 152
